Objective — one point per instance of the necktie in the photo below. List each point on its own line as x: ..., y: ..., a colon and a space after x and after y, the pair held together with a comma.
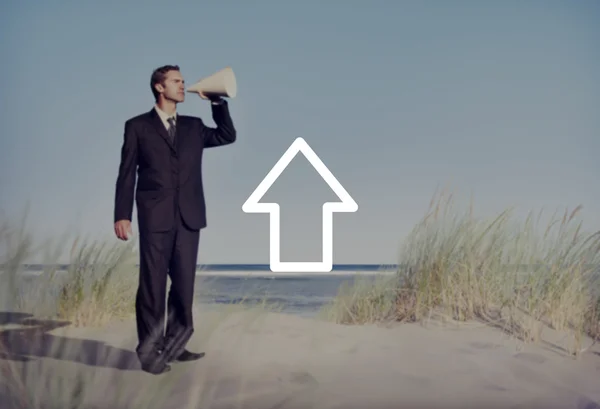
x: 172, y: 129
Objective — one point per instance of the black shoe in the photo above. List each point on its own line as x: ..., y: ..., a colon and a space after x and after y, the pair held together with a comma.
x: 155, y: 363
x: 156, y: 368
x: 187, y: 356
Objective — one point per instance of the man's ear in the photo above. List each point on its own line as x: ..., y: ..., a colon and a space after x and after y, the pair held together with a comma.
x: 159, y: 87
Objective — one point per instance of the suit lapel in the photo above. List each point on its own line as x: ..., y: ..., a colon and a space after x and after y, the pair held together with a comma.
x: 160, y: 128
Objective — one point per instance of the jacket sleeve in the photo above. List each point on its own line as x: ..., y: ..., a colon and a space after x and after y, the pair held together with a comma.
x: 125, y: 185
x: 224, y: 133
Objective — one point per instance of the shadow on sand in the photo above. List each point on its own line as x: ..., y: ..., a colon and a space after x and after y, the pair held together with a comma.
x: 32, y: 339
x: 272, y: 389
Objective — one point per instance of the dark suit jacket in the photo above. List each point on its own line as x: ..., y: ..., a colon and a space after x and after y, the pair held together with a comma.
x: 168, y: 176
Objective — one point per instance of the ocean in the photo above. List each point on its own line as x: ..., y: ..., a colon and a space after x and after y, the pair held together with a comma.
x: 293, y: 293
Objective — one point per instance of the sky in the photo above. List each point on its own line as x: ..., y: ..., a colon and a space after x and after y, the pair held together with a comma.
x: 496, y: 100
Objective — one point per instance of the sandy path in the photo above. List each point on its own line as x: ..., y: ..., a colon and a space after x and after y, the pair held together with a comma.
x: 271, y: 361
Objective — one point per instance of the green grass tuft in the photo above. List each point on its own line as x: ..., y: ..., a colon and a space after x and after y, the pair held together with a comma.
x: 514, y: 275
x: 97, y: 287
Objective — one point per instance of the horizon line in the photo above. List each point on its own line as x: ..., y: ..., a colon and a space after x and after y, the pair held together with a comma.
x: 223, y: 264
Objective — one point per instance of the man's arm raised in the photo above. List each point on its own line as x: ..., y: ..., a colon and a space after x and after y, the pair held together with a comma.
x: 224, y: 133
x: 125, y: 185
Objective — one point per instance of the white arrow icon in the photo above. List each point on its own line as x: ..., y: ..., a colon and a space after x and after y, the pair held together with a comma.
x: 347, y: 204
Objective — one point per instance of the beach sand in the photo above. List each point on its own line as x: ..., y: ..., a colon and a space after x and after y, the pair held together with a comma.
x: 276, y: 361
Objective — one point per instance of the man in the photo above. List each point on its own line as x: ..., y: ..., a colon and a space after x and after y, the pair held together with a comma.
x: 165, y: 150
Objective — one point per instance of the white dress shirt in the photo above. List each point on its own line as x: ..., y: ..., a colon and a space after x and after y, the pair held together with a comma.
x: 164, y: 117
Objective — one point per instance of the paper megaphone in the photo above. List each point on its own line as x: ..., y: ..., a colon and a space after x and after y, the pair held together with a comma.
x: 222, y: 83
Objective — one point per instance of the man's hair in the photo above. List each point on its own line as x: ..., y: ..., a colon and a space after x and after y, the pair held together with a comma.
x: 158, y: 77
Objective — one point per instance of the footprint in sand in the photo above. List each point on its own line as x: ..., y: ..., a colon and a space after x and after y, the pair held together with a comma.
x: 529, y: 376
x: 483, y: 345
x: 466, y: 351
x: 303, y: 378
x: 417, y: 381
x: 352, y: 350
x: 559, y: 402
x: 493, y: 387
x: 530, y: 357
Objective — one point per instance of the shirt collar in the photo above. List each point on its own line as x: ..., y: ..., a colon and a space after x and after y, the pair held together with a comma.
x: 163, y: 115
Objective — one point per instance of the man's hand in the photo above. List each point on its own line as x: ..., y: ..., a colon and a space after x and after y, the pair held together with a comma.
x: 213, y: 98
x: 123, y: 229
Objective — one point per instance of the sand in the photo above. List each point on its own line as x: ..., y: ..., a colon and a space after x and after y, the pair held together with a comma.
x: 277, y: 361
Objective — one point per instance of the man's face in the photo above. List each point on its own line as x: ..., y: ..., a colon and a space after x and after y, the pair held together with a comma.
x: 174, y: 87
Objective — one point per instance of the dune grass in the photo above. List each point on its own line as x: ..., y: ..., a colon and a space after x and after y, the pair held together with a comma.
x: 515, y: 275
x: 453, y: 266
x: 96, y: 286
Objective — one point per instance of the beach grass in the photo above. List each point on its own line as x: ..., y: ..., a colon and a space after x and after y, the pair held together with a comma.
x: 519, y: 276
x: 96, y: 287
x: 454, y: 266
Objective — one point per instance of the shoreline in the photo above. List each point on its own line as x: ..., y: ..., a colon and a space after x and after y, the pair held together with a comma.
x: 270, y: 274
x: 257, y: 273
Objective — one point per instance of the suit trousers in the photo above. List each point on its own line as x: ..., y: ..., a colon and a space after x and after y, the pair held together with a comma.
x: 171, y: 253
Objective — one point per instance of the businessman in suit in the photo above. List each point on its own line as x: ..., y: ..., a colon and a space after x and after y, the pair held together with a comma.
x: 165, y: 150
